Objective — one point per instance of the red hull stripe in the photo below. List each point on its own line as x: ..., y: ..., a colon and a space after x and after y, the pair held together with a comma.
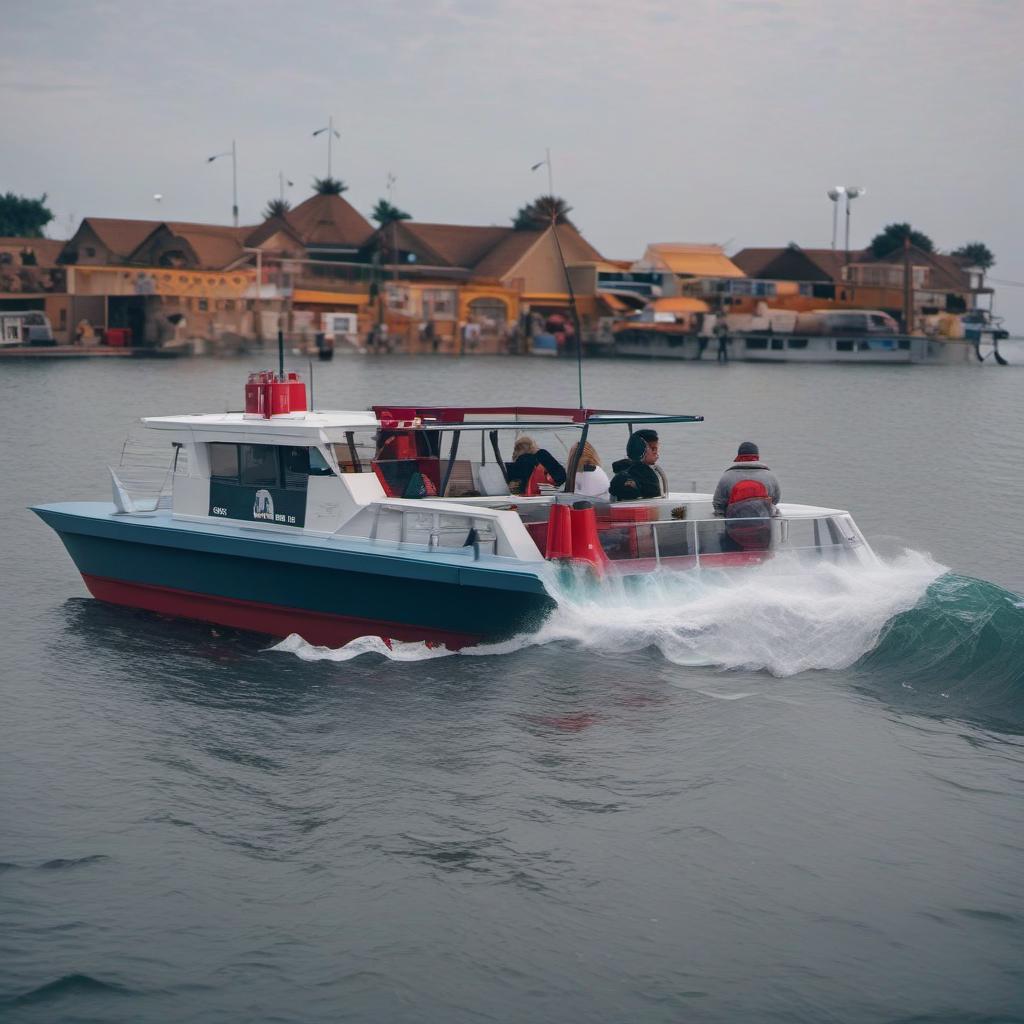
x: 257, y: 617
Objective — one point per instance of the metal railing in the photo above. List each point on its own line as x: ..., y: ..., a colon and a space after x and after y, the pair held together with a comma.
x: 710, y: 542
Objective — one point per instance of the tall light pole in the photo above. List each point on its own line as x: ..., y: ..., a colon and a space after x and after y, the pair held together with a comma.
x: 233, y: 153
x: 852, y: 192
x: 542, y: 163
x: 835, y: 194
x: 331, y: 136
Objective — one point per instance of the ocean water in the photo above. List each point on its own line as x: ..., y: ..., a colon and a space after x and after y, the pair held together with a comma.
x: 769, y: 798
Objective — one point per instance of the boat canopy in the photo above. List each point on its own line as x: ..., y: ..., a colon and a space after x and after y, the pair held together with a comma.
x: 458, y: 418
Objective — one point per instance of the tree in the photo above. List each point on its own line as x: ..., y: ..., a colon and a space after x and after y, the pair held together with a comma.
x: 21, y: 217
x: 387, y: 213
x: 975, y: 254
x: 329, y: 186
x: 276, y: 208
x: 541, y: 213
x: 891, y: 237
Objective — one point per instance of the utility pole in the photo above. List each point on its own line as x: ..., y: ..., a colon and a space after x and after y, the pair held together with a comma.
x: 233, y: 153
x: 908, y: 288
x: 331, y: 136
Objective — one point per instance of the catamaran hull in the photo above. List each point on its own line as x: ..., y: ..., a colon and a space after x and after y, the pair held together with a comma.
x: 278, y: 587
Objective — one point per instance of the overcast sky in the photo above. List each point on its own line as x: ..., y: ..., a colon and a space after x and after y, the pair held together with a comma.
x: 693, y: 121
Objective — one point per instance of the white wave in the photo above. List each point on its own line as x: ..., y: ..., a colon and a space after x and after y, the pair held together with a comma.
x: 768, y: 618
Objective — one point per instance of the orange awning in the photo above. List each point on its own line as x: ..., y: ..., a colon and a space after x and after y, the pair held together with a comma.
x: 330, y: 298
x: 680, y: 304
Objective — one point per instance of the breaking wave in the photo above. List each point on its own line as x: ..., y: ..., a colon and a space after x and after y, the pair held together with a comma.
x: 769, y: 618
x: 959, y: 652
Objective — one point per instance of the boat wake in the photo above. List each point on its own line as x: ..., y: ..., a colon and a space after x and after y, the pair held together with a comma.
x: 767, y: 618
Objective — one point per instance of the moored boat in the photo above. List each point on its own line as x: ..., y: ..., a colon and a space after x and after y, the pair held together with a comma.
x: 399, y: 522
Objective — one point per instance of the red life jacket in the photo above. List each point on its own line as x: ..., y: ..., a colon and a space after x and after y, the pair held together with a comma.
x: 748, y: 490
x: 747, y: 513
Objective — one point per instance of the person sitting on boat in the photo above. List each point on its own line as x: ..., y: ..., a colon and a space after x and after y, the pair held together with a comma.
x: 748, y: 490
x: 639, y: 475
x: 591, y: 479
x: 532, y: 466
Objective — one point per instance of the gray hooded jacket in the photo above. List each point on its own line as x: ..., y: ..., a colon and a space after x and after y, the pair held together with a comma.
x: 745, y: 471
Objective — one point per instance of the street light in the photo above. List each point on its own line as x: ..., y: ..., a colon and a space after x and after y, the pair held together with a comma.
x: 233, y: 153
x: 852, y: 192
x: 835, y: 194
x: 331, y: 136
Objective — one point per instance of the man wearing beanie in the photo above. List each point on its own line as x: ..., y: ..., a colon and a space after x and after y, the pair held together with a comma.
x: 747, y: 467
x: 638, y: 475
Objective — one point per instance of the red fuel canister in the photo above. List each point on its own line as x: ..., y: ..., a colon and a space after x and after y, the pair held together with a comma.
x: 297, y: 393
x: 280, y: 398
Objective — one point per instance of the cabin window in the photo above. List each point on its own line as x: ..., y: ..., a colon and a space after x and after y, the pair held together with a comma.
x: 844, y: 346
x: 295, y: 468
x: 797, y: 343
x: 776, y: 344
x: 224, y: 462
x: 756, y: 343
x: 904, y: 343
x: 318, y: 464
x: 258, y: 465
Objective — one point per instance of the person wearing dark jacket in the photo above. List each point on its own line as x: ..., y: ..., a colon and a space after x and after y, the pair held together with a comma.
x: 638, y: 475
x: 526, y: 457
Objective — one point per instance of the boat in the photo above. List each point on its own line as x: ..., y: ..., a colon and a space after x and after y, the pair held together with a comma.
x: 397, y: 521
x: 818, y: 336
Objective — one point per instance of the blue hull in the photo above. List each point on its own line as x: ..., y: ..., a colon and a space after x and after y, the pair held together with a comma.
x: 280, y: 583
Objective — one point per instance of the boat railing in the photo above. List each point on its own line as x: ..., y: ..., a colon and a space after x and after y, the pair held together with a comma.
x: 706, y: 543
x: 145, y: 473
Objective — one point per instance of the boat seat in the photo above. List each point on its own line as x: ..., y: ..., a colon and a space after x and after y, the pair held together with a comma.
x: 490, y: 480
x: 461, y: 480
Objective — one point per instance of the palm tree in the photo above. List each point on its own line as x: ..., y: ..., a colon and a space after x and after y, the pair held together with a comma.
x: 329, y: 186
x: 276, y: 208
x: 541, y: 213
x: 976, y: 254
x: 387, y: 213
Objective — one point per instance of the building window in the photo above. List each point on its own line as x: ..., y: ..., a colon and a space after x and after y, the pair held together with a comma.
x: 90, y: 251
x: 204, y: 305
x: 439, y: 303
x: 493, y: 310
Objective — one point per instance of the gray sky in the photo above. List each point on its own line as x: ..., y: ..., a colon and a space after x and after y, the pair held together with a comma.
x: 668, y: 121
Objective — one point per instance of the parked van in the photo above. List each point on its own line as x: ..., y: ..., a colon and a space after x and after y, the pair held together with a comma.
x: 25, y: 327
x: 845, y: 321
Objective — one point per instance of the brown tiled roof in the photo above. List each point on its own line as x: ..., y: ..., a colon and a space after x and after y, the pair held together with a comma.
x: 507, y: 253
x: 330, y: 220
x: 46, y: 249
x: 258, y: 235
x: 216, y: 246
x: 453, y: 245
x: 121, y: 237
x: 503, y: 257
x: 755, y: 262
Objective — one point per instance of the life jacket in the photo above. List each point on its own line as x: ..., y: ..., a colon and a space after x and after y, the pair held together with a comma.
x: 748, y: 514
x: 537, y: 477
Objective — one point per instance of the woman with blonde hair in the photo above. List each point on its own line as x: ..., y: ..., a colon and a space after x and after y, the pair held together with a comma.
x: 591, y: 479
x: 530, y: 463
